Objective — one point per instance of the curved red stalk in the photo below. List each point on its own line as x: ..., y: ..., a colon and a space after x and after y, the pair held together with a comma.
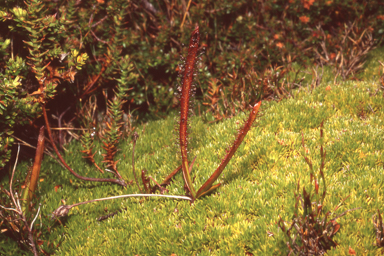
x: 119, y: 182
x: 207, y: 187
x: 184, y: 102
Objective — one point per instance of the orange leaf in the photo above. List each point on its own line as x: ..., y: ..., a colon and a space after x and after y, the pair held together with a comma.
x: 304, y: 19
x: 280, y: 45
x: 307, y: 3
x: 328, y: 88
x: 336, y: 227
x: 351, y: 251
x: 57, y: 187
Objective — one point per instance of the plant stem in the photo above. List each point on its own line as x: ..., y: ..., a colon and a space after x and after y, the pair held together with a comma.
x: 119, y: 182
x: 63, y: 210
x: 33, y: 176
x: 135, y: 136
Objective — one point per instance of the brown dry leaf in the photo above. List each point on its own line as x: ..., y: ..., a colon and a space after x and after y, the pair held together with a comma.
x: 37, y: 92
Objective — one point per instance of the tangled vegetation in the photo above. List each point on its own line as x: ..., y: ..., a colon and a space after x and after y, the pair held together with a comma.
x: 94, y: 70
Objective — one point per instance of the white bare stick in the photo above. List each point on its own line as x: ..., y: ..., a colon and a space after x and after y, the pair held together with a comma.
x: 64, y: 209
x: 35, y: 217
x: 13, y: 173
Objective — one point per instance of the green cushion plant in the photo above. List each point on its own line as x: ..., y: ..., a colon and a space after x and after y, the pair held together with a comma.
x: 257, y: 188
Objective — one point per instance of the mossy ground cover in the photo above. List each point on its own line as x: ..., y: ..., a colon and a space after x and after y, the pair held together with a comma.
x: 258, y: 184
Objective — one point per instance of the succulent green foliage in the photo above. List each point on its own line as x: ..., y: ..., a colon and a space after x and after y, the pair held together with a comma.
x: 257, y: 187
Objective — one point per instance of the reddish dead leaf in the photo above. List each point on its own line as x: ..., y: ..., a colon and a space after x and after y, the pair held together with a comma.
x: 57, y: 187
x: 351, y: 251
x: 280, y: 45
x: 328, y: 88
x: 14, y: 227
x: 307, y: 3
x: 304, y: 19
x: 336, y: 227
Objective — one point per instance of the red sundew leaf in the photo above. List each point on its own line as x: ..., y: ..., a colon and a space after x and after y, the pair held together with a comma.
x: 242, y: 132
x: 186, y: 94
